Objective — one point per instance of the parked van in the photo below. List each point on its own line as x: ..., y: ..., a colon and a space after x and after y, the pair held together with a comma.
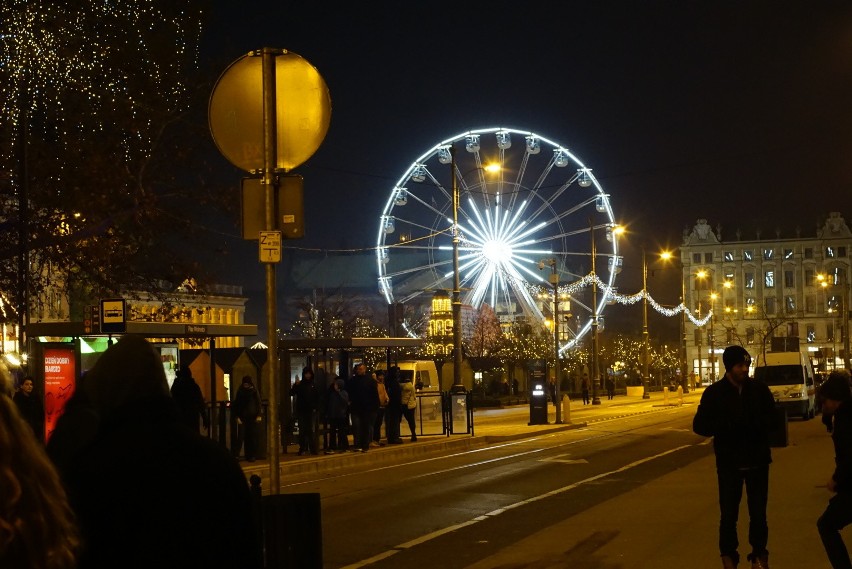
x: 790, y: 377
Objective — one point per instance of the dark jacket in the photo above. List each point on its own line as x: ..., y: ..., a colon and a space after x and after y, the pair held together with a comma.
x: 190, y: 401
x: 739, y: 422
x: 394, y: 389
x: 32, y: 411
x: 247, y: 403
x: 841, y: 434
x: 307, y: 396
x: 337, y: 402
x: 363, y: 394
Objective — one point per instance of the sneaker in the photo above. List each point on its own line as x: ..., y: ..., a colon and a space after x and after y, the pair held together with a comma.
x: 375, y: 444
x: 329, y: 451
x: 395, y: 442
x: 413, y: 439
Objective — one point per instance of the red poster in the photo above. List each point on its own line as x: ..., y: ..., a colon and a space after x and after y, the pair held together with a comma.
x: 60, y: 378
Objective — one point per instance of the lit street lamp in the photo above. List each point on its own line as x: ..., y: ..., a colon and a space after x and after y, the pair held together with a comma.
x: 457, y: 345
x: 595, y: 378
x: 840, y: 275
x: 646, y: 392
x: 667, y: 256
x: 554, y: 280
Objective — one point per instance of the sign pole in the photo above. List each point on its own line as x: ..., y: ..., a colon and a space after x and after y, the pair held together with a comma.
x: 270, y: 135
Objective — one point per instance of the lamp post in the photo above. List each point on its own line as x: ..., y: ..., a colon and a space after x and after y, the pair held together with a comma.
x: 646, y: 392
x: 457, y: 345
x: 699, y: 343
x: 554, y: 280
x: 844, y: 307
x: 667, y: 256
x: 713, y: 297
x: 595, y: 379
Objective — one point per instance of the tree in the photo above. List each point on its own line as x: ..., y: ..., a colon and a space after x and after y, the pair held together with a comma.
x: 486, y: 334
x: 100, y: 169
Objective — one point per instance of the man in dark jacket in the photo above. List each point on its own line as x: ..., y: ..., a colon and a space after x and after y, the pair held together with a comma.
x: 836, y: 396
x: 30, y: 407
x: 364, y: 400
x: 306, y: 404
x: 393, y: 414
x: 247, y: 410
x: 737, y: 412
x: 190, y: 401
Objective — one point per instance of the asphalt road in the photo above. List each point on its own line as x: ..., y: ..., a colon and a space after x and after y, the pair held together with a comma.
x: 455, y: 510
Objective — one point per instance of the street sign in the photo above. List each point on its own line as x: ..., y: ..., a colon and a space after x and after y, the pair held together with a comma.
x: 270, y: 246
x: 113, y: 316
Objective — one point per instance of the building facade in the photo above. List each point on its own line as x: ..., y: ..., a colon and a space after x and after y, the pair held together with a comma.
x: 758, y: 289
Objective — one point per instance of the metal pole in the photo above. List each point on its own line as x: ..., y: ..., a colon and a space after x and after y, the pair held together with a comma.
x: 698, y: 338
x: 683, y: 371
x: 595, y: 399
x: 712, y: 339
x: 269, y: 162
x: 457, y: 345
x: 646, y: 391
x: 846, y: 318
x: 554, y: 279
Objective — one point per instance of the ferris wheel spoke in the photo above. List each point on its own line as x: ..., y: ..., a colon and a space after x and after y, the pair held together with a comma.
x: 418, y: 269
x: 433, y: 208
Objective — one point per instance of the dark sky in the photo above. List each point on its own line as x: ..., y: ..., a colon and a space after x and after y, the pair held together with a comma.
x: 738, y: 112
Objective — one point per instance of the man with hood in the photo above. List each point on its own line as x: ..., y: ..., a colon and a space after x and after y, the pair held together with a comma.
x: 306, y: 404
x: 247, y: 409
x: 139, y: 481
x: 190, y: 401
x: 737, y: 412
x: 337, y: 415
x: 836, y: 395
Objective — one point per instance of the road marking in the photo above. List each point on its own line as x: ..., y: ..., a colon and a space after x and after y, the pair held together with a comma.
x: 430, y: 536
x: 558, y: 458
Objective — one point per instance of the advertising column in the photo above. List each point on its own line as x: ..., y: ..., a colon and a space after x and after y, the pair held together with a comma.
x: 60, y: 380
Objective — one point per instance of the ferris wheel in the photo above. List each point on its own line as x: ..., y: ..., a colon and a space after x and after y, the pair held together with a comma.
x: 527, y: 208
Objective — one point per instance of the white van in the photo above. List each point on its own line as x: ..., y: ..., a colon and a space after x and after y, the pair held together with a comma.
x: 790, y: 377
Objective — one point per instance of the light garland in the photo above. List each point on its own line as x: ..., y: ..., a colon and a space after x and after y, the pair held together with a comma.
x: 612, y: 293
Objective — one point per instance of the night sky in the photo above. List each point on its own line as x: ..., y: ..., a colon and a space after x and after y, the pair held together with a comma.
x: 737, y: 112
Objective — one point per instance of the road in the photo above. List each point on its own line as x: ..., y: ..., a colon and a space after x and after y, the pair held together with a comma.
x: 455, y: 510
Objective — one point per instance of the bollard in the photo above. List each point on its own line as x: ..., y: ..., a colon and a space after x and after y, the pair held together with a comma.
x: 665, y: 396
x: 566, y: 409
x: 680, y: 394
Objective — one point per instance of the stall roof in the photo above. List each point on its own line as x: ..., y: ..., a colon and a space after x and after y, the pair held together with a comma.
x: 147, y: 329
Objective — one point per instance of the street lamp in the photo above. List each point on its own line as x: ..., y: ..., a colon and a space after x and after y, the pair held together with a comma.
x: 702, y: 274
x: 646, y: 392
x: 713, y: 297
x: 595, y: 379
x: 554, y: 280
x: 457, y: 345
x: 668, y: 256
x: 844, y: 306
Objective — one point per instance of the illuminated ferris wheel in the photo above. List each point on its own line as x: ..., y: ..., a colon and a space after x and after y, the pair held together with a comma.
x: 525, y: 202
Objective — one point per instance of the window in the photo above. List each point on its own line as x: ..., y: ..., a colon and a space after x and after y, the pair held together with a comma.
x: 829, y: 252
x: 708, y: 257
x: 747, y: 255
x: 811, y: 334
x: 789, y: 279
x: 769, y: 303
x: 698, y: 336
x: 729, y: 256
x: 792, y: 329
x: 841, y: 251
x: 769, y: 279
x: 809, y: 253
x: 790, y: 306
x: 729, y: 336
x: 809, y: 277
x: 788, y: 253
x: 749, y: 335
x: 696, y: 257
x: 810, y: 304
x: 829, y: 331
x: 767, y: 253
x: 729, y: 277
x: 749, y: 280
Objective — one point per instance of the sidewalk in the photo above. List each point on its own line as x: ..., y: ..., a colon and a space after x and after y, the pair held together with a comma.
x: 673, y: 522
x: 490, y: 426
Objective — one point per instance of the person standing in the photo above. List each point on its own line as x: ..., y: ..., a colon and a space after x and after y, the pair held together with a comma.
x: 306, y: 404
x: 409, y: 404
x: 247, y: 410
x: 190, y: 401
x: 393, y: 410
x: 738, y: 413
x: 836, y: 395
x: 610, y: 388
x: 337, y: 415
x: 30, y: 407
x: 364, y: 402
x: 379, y: 377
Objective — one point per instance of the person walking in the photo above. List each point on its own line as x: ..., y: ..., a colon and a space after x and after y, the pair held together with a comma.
x: 337, y: 415
x: 585, y: 389
x: 408, y: 400
x: 190, y: 401
x: 836, y: 395
x: 379, y: 377
x: 37, y: 526
x: 393, y: 411
x: 738, y: 412
x: 246, y: 409
x: 306, y: 404
x: 30, y: 407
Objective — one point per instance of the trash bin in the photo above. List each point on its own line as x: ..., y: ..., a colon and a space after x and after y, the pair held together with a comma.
x: 538, y: 404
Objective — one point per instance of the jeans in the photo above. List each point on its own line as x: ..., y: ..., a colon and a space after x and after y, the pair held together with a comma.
x: 731, y: 482
x: 837, y: 515
x: 392, y: 419
x: 366, y: 419
x: 377, y: 424
x: 307, y: 440
x: 338, y: 433
x: 408, y: 413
